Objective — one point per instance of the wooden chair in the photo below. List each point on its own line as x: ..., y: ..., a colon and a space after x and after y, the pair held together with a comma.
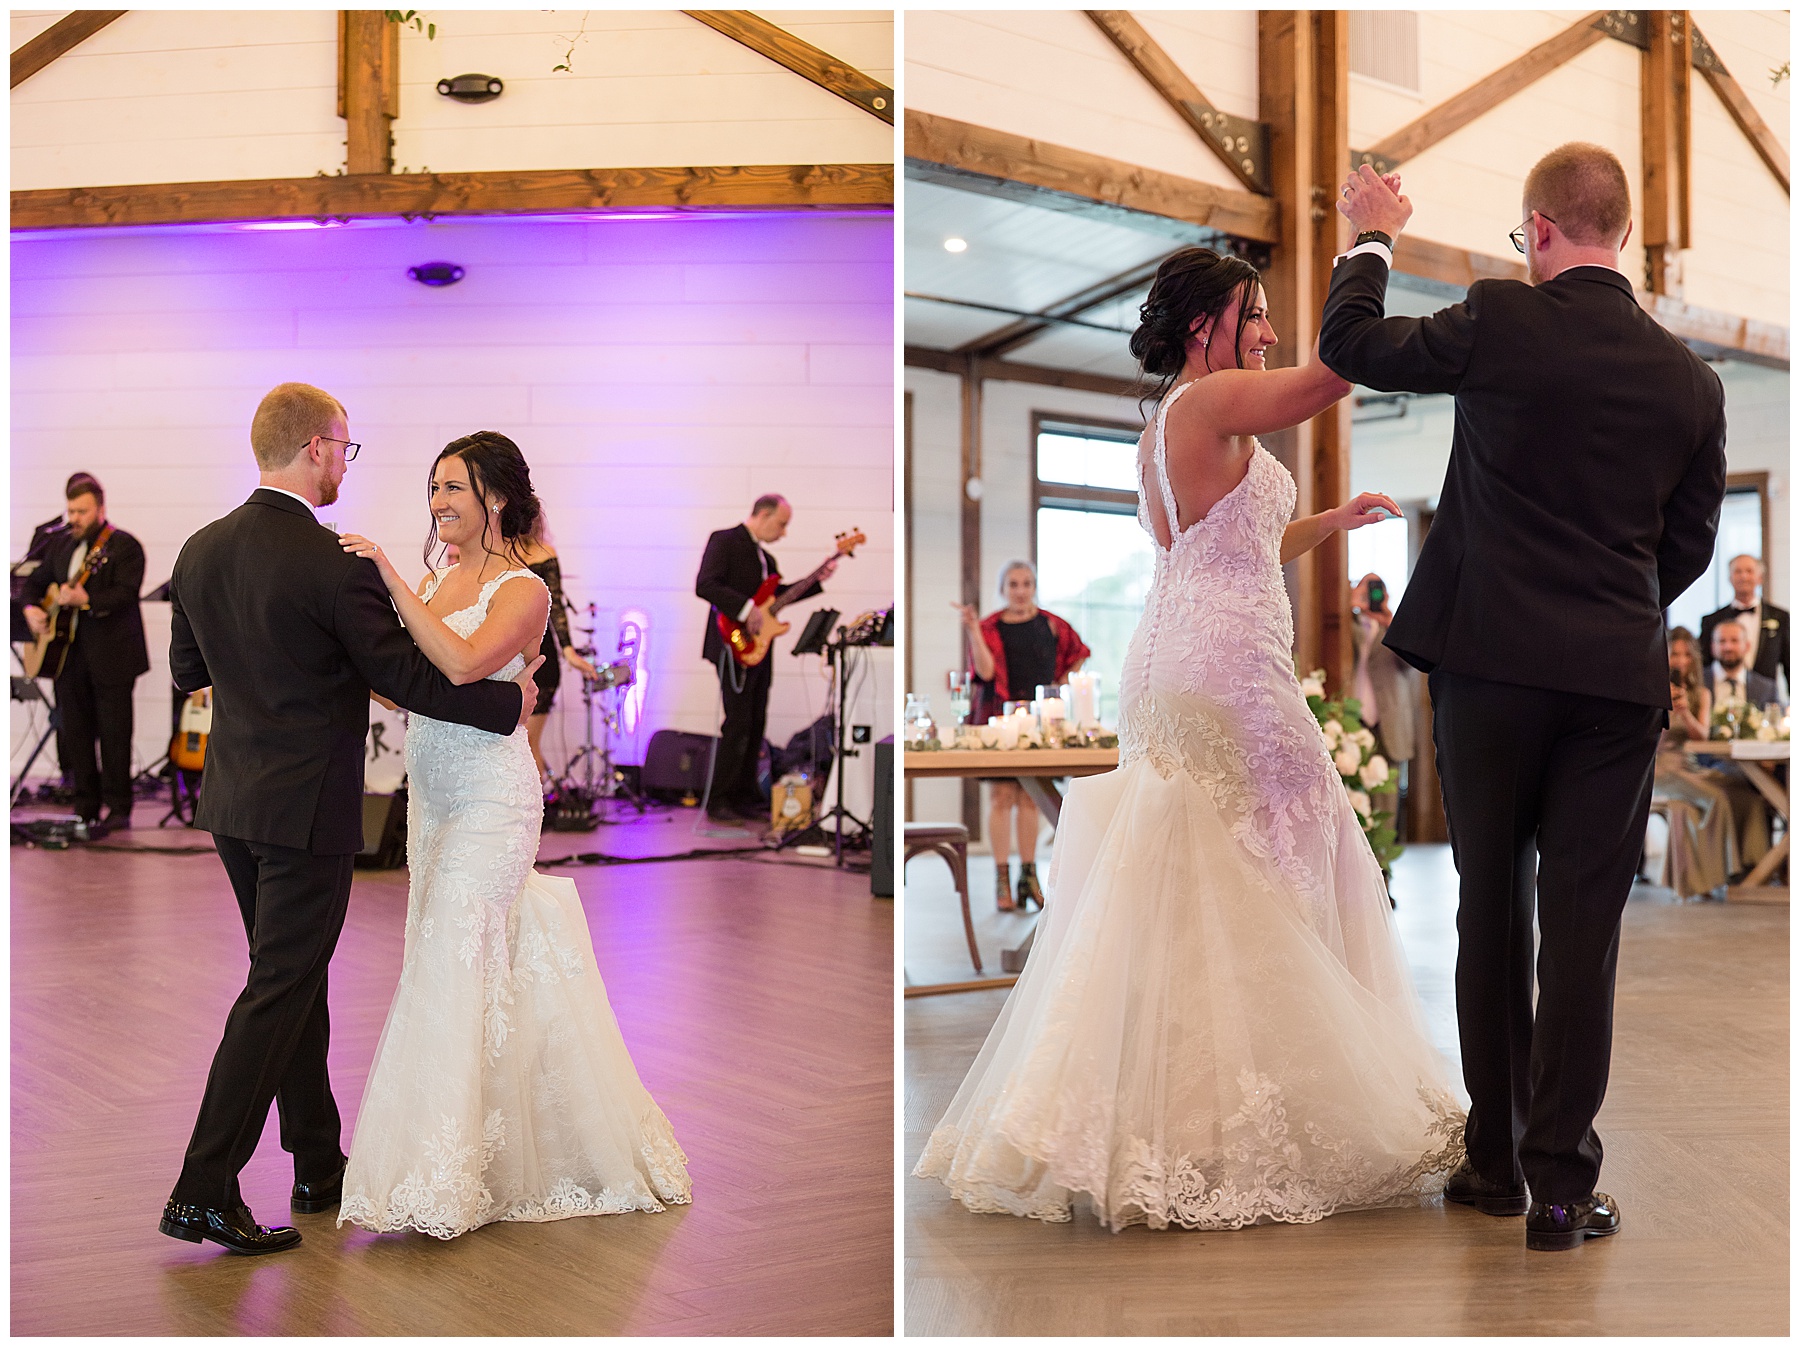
x: 951, y: 841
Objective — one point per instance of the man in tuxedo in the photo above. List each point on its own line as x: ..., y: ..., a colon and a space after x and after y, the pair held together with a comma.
x: 732, y: 568
x: 1764, y: 625
x: 1732, y: 682
x: 291, y: 633
x: 1578, y: 528
x: 94, y: 571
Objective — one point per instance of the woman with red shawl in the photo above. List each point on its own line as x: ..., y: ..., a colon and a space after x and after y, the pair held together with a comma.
x: 1012, y: 652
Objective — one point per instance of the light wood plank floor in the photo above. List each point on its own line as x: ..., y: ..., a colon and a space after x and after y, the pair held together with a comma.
x: 757, y: 1000
x: 1696, y: 1134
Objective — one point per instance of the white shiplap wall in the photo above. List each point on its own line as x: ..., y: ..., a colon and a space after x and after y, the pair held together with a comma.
x: 658, y: 374
x: 187, y: 96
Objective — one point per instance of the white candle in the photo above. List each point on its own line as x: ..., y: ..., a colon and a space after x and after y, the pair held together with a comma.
x: 1084, y: 698
x: 1051, y: 710
x: 1009, y: 732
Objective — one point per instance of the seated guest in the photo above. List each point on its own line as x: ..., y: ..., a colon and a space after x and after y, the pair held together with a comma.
x: 1013, y: 651
x: 1702, y: 851
x: 1732, y: 682
x: 1765, y: 626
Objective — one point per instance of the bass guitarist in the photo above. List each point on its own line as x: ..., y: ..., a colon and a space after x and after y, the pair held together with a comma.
x: 734, y: 567
x: 87, y: 591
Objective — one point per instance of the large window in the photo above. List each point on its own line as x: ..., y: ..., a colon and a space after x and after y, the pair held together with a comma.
x: 1093, y: 560
x: 1741, y: 524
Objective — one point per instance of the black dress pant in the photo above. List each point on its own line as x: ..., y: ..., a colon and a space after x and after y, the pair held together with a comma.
x: 277, y: 1033
x: 746, y: 693
x: 94, y: 707
x: 1546, y: 795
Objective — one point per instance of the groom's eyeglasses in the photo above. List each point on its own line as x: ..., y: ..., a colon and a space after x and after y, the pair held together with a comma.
x: 1518, y: 235
x: 350, y: 446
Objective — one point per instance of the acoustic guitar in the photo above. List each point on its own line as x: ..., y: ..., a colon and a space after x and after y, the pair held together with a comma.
x: 187, y: 750
x: 750, y: 650
x: 44, y: 656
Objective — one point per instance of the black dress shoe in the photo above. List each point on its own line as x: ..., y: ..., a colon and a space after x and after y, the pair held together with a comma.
x: 1496, y: 1199
x: 1563, y: 1225
x: 311, y: 1198
x: 235, y: 1228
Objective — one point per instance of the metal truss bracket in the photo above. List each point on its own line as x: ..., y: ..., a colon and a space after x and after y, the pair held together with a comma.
x: 1243, y: 142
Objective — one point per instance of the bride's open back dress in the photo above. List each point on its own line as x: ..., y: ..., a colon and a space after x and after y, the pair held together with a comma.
x: 1216, y: 1026
x: 501, y: 1088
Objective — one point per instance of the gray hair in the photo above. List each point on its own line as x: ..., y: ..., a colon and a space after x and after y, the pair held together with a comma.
x: 1016, y: 564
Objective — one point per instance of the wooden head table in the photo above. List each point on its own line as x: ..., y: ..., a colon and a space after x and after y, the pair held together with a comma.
x: 1037, y: 770
x: 1750, y: 755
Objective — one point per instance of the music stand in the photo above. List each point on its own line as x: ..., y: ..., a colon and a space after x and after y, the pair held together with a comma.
x: 816, y: 632
x: 28, y: 690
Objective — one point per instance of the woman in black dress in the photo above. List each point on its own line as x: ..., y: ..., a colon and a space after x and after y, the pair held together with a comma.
x: 540, y: 557
x: 1012, y: 652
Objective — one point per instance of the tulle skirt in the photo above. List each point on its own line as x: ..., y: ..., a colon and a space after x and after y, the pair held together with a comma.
x: 1187, y: 1046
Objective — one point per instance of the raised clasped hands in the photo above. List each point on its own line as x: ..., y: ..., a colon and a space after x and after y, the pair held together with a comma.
x: 357, y: 545
x: 1366, y: 509
x: 1371, y: 200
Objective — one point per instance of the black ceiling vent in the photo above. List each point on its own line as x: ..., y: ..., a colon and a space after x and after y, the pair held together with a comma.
x: 471, y: 88
x: 436, y: 273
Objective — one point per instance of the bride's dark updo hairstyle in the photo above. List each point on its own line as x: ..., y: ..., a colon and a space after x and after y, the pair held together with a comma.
x: 495, y: 465
x: 1191, y: 284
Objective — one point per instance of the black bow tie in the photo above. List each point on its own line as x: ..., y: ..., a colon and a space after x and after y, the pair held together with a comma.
x: 1740, y: 608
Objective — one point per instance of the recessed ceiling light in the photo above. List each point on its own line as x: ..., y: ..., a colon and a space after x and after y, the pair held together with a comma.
x: 956, y: 245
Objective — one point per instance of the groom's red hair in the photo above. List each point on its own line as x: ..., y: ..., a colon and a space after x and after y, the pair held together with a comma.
x: 1583, y: 189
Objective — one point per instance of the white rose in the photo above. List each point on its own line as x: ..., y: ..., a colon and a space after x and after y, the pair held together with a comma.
x: 1365, y: 738
x: 1030, y: 736
x: 1334, y: 733
x: 1312, y: 687
x: 1360, y: 803
x: 990, y: 736
x: 1766, y: 733
x: 1348, y: 759
x: 1374, y: 772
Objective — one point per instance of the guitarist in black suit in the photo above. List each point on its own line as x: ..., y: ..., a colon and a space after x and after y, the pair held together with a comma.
x: 734, y: 565
x: 93, y: 572
x: 1587, y: 469
x: 291, y: 633
x: 1765, y: 626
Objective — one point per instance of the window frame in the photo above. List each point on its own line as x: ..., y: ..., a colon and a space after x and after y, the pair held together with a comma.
x: 1064, y: 495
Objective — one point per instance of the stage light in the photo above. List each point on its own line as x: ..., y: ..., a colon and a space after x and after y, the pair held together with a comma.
x: 956, y: 245
x: 293, y: 224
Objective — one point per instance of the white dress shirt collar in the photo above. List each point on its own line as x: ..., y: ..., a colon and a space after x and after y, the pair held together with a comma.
x: 296, y: 495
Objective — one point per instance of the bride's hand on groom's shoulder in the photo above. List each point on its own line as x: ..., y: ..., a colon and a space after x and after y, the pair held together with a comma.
x: 357, y: 545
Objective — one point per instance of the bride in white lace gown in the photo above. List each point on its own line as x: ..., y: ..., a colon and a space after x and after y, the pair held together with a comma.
x: 1216, y: 1026
x: 501, y: 1088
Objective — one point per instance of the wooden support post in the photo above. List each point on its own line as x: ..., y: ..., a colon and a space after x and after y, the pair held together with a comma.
x: 1302, y: 93
x: 1331, y: 428
x: 1664, y: 103
x: 971, y: 545
x: 368, y: 88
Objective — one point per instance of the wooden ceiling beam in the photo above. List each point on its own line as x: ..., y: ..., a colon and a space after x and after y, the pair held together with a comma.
x: 801, y: 57
x: 998, y: 163
x: 1486, y: 94
x: 1240, y: 144
x: 540, y: 192
x: 1014, y: 371
x: 58, y: 39
x: 1770, y: 150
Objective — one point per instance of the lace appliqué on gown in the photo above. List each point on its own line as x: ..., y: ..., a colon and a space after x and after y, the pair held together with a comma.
x: 501, y: 1088
x: 1216, y: 1026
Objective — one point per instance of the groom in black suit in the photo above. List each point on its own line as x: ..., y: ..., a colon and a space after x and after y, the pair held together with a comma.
x: 1587, y: 468
x: 1765, y: 626
x: 291, y: 633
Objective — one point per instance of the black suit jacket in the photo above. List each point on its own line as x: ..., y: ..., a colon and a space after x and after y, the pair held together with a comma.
x: 1587, y: 467
x: 730, y: 572
x: 1759, y: 689
x: 1771, y: 646
x: 291, y: 632
x: 111, y: 631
